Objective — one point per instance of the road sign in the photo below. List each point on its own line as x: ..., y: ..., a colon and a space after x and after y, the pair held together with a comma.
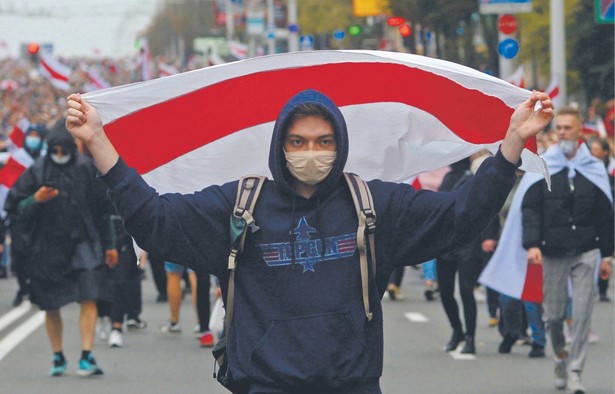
x: 339, y: 35
x: 507, y: 24
x: 293, y: 28
x: 306, y: 43
x: 605, y: 11
x: 508, y: 48
x: 505, y: 6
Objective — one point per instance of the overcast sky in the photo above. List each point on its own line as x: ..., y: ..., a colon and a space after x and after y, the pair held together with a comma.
x: 75, y: 27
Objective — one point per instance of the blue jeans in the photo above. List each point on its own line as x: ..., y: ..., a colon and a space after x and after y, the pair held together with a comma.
x: 429, y: 270
x: 511, y: 316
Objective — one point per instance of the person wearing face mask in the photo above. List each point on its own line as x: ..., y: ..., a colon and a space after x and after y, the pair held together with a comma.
x: 300, y: 322
x: 66, y: 220
x: 568, y: 230
x: 33, y: 145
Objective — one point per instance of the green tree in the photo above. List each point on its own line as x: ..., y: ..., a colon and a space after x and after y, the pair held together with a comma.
x: 322, y: 18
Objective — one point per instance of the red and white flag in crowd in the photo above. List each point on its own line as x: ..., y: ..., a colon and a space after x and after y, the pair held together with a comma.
x: 19, y: 160
x: 238, y: 50
x: 164, y: 70
x: 405, y: 113
x: 518, y: 77
x: 55, y: 71
x: 553, y: 91
x: 95, y: 81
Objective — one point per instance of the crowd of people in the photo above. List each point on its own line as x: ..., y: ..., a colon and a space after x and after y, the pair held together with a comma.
x: 68, y: 244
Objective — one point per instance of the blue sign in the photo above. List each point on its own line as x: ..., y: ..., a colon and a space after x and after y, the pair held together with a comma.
x: 339, y: 34
x: 508, y: 48
x: 293, y: 28
x: 306, y: 42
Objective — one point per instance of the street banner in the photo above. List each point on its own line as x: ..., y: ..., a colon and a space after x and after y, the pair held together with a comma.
x: 505, y: 6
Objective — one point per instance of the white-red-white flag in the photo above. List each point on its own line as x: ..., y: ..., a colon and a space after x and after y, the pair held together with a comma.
x: 164, y: 70
x: 55, y: 71
x: 518, y: 77
x: 95, y: 81
x: 553, y: 91
x: 19, y: 160
x: 405, y: 113
x: 238, y: 50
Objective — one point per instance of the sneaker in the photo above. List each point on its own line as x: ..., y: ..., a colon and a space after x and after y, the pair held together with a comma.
x: 524, y: 340
x: 468, y: 346
x: 604, y: 298
x: 574, y: 384
x: 88, y: 367
x: 115, y: 339
x: 394, y: 292
x: 537, y: 351
x: 135, y: 324
x: 161, y: 298
x: 593, y: 337
x: 171, y: 328
x: 561, y: 376
x: 506, y: 344
x: 207, y: 339
x: 430, y: 292
x: 493, y: 322
x: 479, y: 297
x: 59, y: 367
x: 103, y: 328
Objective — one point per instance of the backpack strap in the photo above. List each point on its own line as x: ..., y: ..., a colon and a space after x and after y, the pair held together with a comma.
x: 248, y: 190
x: 366, y: 213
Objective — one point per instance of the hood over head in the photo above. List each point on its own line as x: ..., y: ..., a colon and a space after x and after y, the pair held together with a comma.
x: 42, y: 132
x: 59, y: 135
x: 277, y: 159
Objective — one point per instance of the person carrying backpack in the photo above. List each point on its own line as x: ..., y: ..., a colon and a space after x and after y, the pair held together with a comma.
x: 306, y: 315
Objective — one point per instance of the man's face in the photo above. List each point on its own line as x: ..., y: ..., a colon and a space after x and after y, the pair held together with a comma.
x: 310, y: 133
x: 567, y: 127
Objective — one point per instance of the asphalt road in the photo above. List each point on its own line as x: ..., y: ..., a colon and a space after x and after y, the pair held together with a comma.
x: 415, y: 334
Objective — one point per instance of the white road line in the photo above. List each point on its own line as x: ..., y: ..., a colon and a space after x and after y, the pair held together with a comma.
x: 20, y: 333
x: 14, y: 314
x: 416, y: 317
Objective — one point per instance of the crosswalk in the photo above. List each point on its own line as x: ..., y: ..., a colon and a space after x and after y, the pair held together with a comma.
x: 17, y: 324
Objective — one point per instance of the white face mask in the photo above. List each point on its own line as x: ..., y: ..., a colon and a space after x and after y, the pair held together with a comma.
x: 310, y: 166
x: 59, y: 159
x: 569, y: 148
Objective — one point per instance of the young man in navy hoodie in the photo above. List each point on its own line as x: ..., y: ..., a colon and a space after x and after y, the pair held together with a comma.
x: 300, y: 323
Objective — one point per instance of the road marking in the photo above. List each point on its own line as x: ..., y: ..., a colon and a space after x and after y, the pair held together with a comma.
x: 20, y: 333
x: 416, y: 317
x: 14, y: 314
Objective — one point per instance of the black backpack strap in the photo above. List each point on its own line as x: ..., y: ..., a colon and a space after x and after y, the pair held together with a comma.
x: 366, y: 214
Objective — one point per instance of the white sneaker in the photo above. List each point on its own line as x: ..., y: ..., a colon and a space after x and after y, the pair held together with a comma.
x: 115, y: 339
x: 479, y: 297
x: 171, y: 328
x: 561, y: 376
x: 103, y: 327
x: 575, y: 386
x: 593, y: 337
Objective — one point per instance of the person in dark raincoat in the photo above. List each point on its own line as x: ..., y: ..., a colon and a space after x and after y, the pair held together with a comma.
x: 67, y: 218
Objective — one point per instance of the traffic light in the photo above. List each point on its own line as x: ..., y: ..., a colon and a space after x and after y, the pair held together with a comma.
x: 405, y: 30
x: 395, y: 21
x: 33, y: 49
x: 354, y: 30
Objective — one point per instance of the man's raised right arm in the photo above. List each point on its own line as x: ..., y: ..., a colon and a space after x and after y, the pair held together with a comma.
x: 85, y: 124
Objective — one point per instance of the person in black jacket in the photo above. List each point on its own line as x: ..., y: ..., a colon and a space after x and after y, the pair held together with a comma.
x: 568, y: 230
x: 65, y: 213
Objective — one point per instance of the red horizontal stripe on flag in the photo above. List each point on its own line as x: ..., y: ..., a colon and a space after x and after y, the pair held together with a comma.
x: 190, y: 121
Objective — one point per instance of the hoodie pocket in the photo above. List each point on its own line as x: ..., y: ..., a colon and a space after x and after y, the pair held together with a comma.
x: 322, y: 350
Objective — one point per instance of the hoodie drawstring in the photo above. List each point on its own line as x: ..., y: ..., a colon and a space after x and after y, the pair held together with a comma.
x: 290, y: 233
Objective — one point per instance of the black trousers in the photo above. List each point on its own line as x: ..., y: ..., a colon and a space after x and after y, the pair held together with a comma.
x: 468, y: 273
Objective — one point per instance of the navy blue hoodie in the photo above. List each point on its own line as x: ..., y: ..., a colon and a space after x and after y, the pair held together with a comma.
x: 299, y: 320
